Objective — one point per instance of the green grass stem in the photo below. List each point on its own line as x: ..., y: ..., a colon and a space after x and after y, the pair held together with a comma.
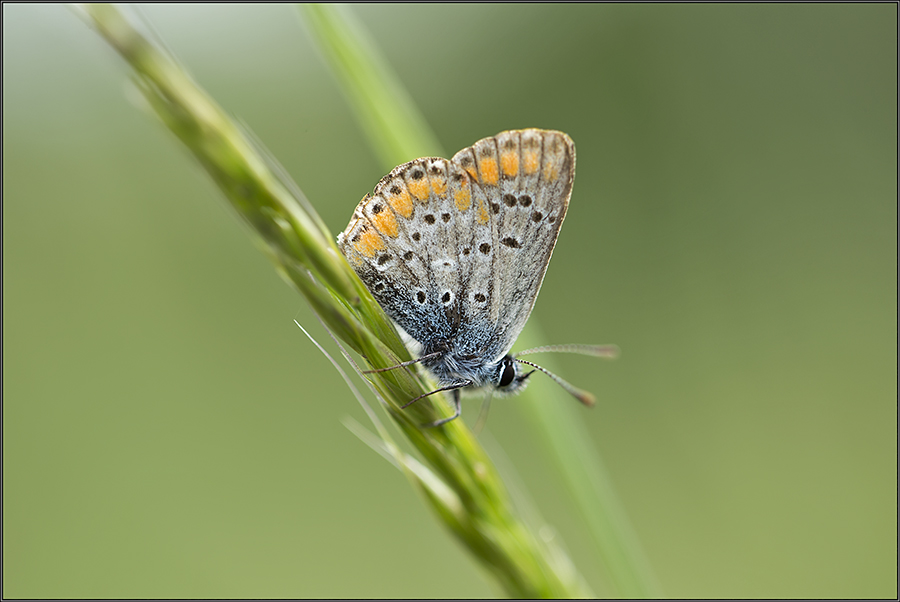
x: 457, y: 478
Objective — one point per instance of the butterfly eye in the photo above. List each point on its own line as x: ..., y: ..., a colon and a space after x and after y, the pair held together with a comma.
x: 509, y: 372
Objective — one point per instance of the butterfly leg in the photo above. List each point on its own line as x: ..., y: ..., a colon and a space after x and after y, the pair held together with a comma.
x: 452, y: 387
x: 446, y: 420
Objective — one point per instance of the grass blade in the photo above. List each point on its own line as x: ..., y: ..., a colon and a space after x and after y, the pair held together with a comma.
x: 304, y: 252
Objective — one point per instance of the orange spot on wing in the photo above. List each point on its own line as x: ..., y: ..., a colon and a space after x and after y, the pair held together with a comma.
x: 385, y: 223
x: 509, y: 161
x: 369, y: 243
x: 463, y: 198
x: 482, y: 216
x: 439, y: 186
x: 488, y: 170
x: 531, y: 162
x: 551, y: 171
x: 401, y: 203
x: 419, y: 188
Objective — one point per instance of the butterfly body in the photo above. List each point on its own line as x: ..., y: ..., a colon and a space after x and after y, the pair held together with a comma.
x: 455, y: 250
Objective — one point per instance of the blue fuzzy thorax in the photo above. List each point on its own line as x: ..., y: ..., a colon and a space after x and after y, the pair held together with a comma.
x: 456, y: 363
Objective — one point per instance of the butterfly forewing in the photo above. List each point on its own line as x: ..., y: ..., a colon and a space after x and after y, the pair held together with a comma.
x: 527, y: 176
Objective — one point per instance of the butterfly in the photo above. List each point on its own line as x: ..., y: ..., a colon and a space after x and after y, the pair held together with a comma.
x: 456, y: 251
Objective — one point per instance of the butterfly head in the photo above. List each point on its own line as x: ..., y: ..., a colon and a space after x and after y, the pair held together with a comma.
x: 508, y: 377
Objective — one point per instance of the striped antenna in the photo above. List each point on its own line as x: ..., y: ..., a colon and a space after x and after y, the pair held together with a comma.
x: 579, y: 394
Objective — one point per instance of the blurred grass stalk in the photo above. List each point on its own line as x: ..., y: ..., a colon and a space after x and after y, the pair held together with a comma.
x: 459, y: 481
x: 398, y: 132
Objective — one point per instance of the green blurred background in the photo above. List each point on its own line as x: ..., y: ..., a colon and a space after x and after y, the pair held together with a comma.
x: 169, y: 432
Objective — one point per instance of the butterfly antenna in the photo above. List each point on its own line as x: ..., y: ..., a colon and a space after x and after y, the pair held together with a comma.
x: 402, y: 364
x: 604, y: 351
x: 579, y: 394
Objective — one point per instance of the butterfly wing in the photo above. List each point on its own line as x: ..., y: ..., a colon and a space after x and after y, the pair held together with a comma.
x: 413, y: 244
x: 457, y: 250
x: 527, y: 177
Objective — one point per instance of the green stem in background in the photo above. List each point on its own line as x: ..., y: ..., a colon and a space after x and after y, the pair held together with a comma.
x: 554, y: 418
x: 457, y: 479
x: 396, y: 129
x: 399, y: 133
